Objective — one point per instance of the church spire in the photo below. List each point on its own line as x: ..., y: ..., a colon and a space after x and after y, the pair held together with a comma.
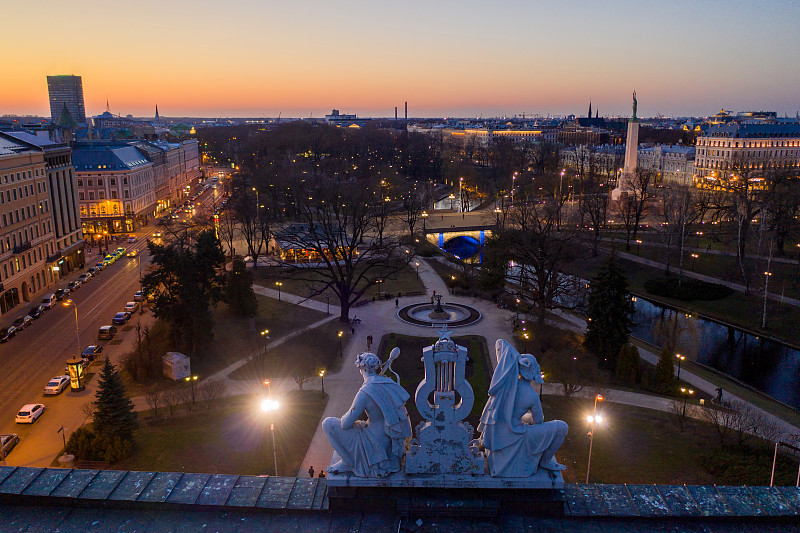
x: 590, y: 109
x: 108, y: 108
x: 156, y: 112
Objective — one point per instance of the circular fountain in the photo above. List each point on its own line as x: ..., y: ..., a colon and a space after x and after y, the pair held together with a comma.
x: 438, y: 314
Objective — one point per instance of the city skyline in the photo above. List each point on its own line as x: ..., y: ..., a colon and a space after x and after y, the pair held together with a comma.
x: 444, y: 59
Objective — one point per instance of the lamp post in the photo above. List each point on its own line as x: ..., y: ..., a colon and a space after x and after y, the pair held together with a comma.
x: 424, y: 218
x: 638, y: 245
x: 191, y: 380
x: 560, y: 183
x: 694, y: 258
x: 416, y: 264
x: 67, y: 303
x: 680, y: 360
x: 452, y: 197
x: 497, y: 212
x: 322, y: 381
x: 686, y: 393
x: 270, y: 406
x: 279, y: 285
x: 525, y: 336
x: 764, y: 312
x: 593, y: 419
x: 265, y: 336
x: 340, y: 342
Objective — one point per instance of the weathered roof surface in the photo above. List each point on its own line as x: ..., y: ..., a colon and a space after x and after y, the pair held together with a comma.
x: 107, y: 157
x: 49, y: 499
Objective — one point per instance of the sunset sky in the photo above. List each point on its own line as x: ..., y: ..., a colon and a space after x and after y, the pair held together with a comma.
x: 446, y: 58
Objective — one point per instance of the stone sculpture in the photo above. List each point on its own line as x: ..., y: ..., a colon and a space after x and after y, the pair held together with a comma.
x: 371, y: 448
x: 444, y: 443
x: 635, y: 104
x: 516, y: 449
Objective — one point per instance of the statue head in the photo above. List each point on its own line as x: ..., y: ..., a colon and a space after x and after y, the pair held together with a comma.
x: 368, y: 363
x: 529, y: 368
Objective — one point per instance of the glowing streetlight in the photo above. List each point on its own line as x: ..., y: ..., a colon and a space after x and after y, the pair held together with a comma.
x: 270, y: 406
x: 593, y: 420
x: 424, y: 218
x: 680, y: 360
x: 279, y: 285
x: 191, y: 380
x: 694, y: 258
x: 322, y: 381
x: 67, y: 303
x: 340, y: 342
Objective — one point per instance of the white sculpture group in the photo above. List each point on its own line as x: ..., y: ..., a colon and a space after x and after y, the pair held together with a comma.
x: 510, y: 444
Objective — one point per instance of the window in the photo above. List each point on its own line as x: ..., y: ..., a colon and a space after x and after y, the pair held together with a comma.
x: 80, y: 195
x: 80, y: 183
x: 101, y: 195
x: 99, y: 182
x: 91, y: 195
x: 112, y: 181
x: 89, y: 183
x: 114, y: 194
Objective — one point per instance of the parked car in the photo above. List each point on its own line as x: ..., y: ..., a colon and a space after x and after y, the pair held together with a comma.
x: 59, y: 294
x: 138, y: 296
x: 91, y: 351
x: 131, y: 307
x: 73, y: 285
x: 7, y: 443
x: 7, y: 333
x: 83, y: 278
x: 131, y: 238
x: 121, y: 318
x: 49, y: 301
x: 36, y: 311
x: 94, y: 270
x: 56, y: 385
x: 106, y: 333
x: 109, y: 259
x: 22, y: 322
x: 100, y: 265
x: 29, y: 413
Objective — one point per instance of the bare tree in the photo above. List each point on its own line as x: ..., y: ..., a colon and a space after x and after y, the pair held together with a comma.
x: 88, y: 409
x: 172, y: 398
x: 414, y: 203
x: 593, y: 209
x: 633, y: 204
x: 154, y: 399
x: 227, y: 230
x: 212, y: 390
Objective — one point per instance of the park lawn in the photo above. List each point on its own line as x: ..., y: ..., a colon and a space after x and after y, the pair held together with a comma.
x: 636, y: 445
x: 233, y: 437
x: 411, y: 369
x: 404, y: 281
x: 307, y: 352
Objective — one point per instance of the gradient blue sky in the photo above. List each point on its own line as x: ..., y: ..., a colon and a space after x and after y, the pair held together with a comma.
x: 446, y: 58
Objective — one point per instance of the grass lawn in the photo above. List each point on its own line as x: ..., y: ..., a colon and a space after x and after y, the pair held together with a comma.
x: 403, y: 281
x: 308, y: 352
x: 411, y: 370
x: 644, y: 446
x: 233, y: 338
x: 233, y: 437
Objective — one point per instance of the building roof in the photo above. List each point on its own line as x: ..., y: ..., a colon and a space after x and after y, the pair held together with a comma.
x: 31, y: 139
x: 755, y: 130
x: 107, y: 157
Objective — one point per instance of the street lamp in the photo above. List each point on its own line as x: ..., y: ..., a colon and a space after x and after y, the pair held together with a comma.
x: 638, y: 245
x: 694, y: 258
x: 461, y: 194
x: 191, y: 380
x: 560, y: 183
x: 424, y: 218
x: 279, y: 285
x: 417, y: 265
x: 340, y: 342
x: 680, y: 360
x: 525, y: 336
x: 322, y: 381
x: 452, y: 197
x: 265, y: 335
x: 764, y: 313
x: 67, y: 303
x: 686, y: 393
x: 497, y: 212
x: 593, y: 419
x: 269, y: 405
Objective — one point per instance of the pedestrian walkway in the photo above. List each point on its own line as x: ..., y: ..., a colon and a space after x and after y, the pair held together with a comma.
x: 707, y: 250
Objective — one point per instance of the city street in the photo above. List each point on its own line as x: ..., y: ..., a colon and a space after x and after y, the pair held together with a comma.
x: 38, y: 353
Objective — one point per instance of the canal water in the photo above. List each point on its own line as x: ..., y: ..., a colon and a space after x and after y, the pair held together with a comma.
x: 768, y: 366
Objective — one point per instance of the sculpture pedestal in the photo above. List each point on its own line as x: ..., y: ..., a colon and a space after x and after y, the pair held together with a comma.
x: 449, y: 495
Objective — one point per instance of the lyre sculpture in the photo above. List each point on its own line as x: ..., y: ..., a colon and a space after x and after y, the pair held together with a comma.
x: 444, y: 443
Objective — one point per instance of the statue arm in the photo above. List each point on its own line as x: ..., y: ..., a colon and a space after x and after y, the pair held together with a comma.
x: 358, y: 407
x: 536, y: 411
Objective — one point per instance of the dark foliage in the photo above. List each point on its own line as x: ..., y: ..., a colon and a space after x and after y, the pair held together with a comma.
x: 610, y: 312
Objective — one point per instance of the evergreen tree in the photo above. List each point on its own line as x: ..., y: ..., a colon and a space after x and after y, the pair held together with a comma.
x: 494, y: 265
x: 114, y: 415
x: 665, y: 372
x: 239, y: 290
x: 627, y: 371
x: 610, y: 312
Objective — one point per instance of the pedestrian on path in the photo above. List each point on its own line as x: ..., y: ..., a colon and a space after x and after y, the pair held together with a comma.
x: 311, y: 471
x: 396, y: 303
x: 321, y: 474
x: 369, y: 342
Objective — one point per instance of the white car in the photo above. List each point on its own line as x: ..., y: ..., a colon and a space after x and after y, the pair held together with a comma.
x: 29, y: 413
x: 56, y: 385
x: 131, y: 307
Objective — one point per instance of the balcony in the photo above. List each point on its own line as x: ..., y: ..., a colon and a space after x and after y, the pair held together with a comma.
x: 22, y: 247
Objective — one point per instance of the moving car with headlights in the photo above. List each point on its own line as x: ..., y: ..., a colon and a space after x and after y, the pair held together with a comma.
x: 56, y: 385
x: 133, y: 253
x: 29, y: 413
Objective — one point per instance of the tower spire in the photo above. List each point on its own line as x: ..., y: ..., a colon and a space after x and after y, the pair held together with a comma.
x: 590, y: 108
x: 156, y: 112
x: 108, y: 108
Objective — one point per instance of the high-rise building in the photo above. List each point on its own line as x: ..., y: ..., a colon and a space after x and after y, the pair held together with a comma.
x: 66, y: 93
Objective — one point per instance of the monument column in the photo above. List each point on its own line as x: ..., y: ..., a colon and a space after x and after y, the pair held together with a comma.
x: 625, y: 184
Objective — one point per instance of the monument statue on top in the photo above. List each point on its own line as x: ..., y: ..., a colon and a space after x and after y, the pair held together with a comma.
x: 635, y: 105
x: 513, y: 447
x: 372, y: 448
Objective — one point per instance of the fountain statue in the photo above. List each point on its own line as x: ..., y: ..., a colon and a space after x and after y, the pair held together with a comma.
x: 438, y: 311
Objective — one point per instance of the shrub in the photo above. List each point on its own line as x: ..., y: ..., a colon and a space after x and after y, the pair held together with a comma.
x: 80, y: 443
x: 688, y: 289
x: 665, y: 372
x: 627, y: 371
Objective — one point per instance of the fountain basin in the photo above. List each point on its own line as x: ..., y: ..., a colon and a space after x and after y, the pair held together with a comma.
x: 454, y: 316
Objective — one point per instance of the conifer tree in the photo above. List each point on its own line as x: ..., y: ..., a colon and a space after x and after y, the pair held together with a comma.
x: 114, y: 415
x: 627, y: 371
x: 610, y: 312
x: 239, y: 290
x: 665, y: 372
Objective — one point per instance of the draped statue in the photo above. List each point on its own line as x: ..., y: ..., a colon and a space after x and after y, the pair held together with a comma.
x: 514, y: 447
x: 635, y: 104
x: 371, y: 448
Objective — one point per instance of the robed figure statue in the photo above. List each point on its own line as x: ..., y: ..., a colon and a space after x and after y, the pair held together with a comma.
x: 517, y: 448
x: 371, y: 448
